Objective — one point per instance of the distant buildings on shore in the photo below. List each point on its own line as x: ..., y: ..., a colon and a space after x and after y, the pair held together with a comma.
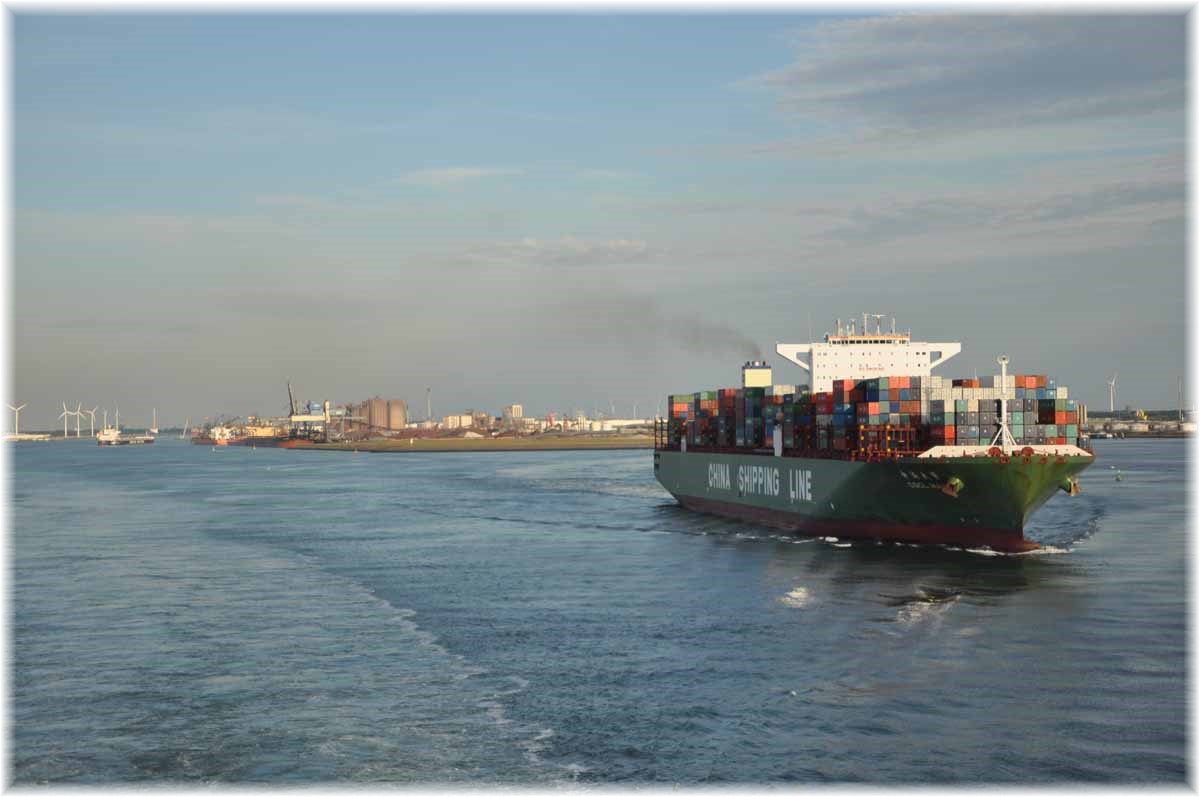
x: 381, y: 417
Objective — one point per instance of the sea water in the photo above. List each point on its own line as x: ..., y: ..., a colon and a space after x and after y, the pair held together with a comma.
x: 189, y: 615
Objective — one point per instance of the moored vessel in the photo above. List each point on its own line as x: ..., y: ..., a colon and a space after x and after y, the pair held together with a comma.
x: 112, y: 435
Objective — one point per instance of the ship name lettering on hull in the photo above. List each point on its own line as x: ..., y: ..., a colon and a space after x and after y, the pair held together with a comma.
x: 718, y: 476
x: 758, y: 480
x: 800, y: 486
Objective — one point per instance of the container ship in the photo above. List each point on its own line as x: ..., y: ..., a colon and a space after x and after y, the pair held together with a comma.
x: 878, y: 447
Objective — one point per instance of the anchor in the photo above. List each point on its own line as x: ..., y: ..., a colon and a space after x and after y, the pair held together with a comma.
x: 952, y: 486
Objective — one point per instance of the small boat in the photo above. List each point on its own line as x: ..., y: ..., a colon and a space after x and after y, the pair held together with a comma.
x: 111, y: 436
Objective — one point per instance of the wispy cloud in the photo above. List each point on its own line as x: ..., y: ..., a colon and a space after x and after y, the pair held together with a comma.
x: 1054, y: 209
x: 305, y: 201
x: 565, y: 252
x: 452, y: 176
x: 606, y: 174
x: 911, y: 79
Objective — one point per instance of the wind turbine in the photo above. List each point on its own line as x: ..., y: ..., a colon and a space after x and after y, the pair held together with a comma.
x: 91, y: 420
x: 1112, y: 392
x: 64, y: 415
x: 17, y: 419
x: 78, y: 415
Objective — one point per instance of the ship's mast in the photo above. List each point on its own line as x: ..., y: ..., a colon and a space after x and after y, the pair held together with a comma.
x: 1004, y: 437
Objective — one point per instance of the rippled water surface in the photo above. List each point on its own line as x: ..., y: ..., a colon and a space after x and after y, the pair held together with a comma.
x: 188, y: 615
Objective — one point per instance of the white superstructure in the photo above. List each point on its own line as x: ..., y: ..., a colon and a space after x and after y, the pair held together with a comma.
x: 853, y: 354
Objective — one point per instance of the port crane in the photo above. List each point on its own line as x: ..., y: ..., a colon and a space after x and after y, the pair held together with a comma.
x: 306, y: 424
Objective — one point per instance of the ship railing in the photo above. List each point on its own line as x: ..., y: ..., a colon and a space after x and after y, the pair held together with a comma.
x: 851, y: 455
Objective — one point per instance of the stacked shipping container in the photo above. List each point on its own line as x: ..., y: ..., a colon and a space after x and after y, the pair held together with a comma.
x: 905, y: 413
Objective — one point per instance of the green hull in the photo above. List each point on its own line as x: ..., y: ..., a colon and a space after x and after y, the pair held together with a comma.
x: 904, y: 499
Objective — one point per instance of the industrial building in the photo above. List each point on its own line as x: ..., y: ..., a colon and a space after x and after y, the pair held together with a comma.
x: 511, y: 416
x: 377, y: 415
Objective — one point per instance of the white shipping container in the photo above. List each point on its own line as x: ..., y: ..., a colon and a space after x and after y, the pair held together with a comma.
x: 1061, y: 393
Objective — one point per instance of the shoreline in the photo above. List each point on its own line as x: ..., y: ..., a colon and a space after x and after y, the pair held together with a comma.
x: 460, y: 444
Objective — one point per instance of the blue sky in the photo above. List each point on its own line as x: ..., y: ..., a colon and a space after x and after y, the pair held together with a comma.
x: 566, y: 211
